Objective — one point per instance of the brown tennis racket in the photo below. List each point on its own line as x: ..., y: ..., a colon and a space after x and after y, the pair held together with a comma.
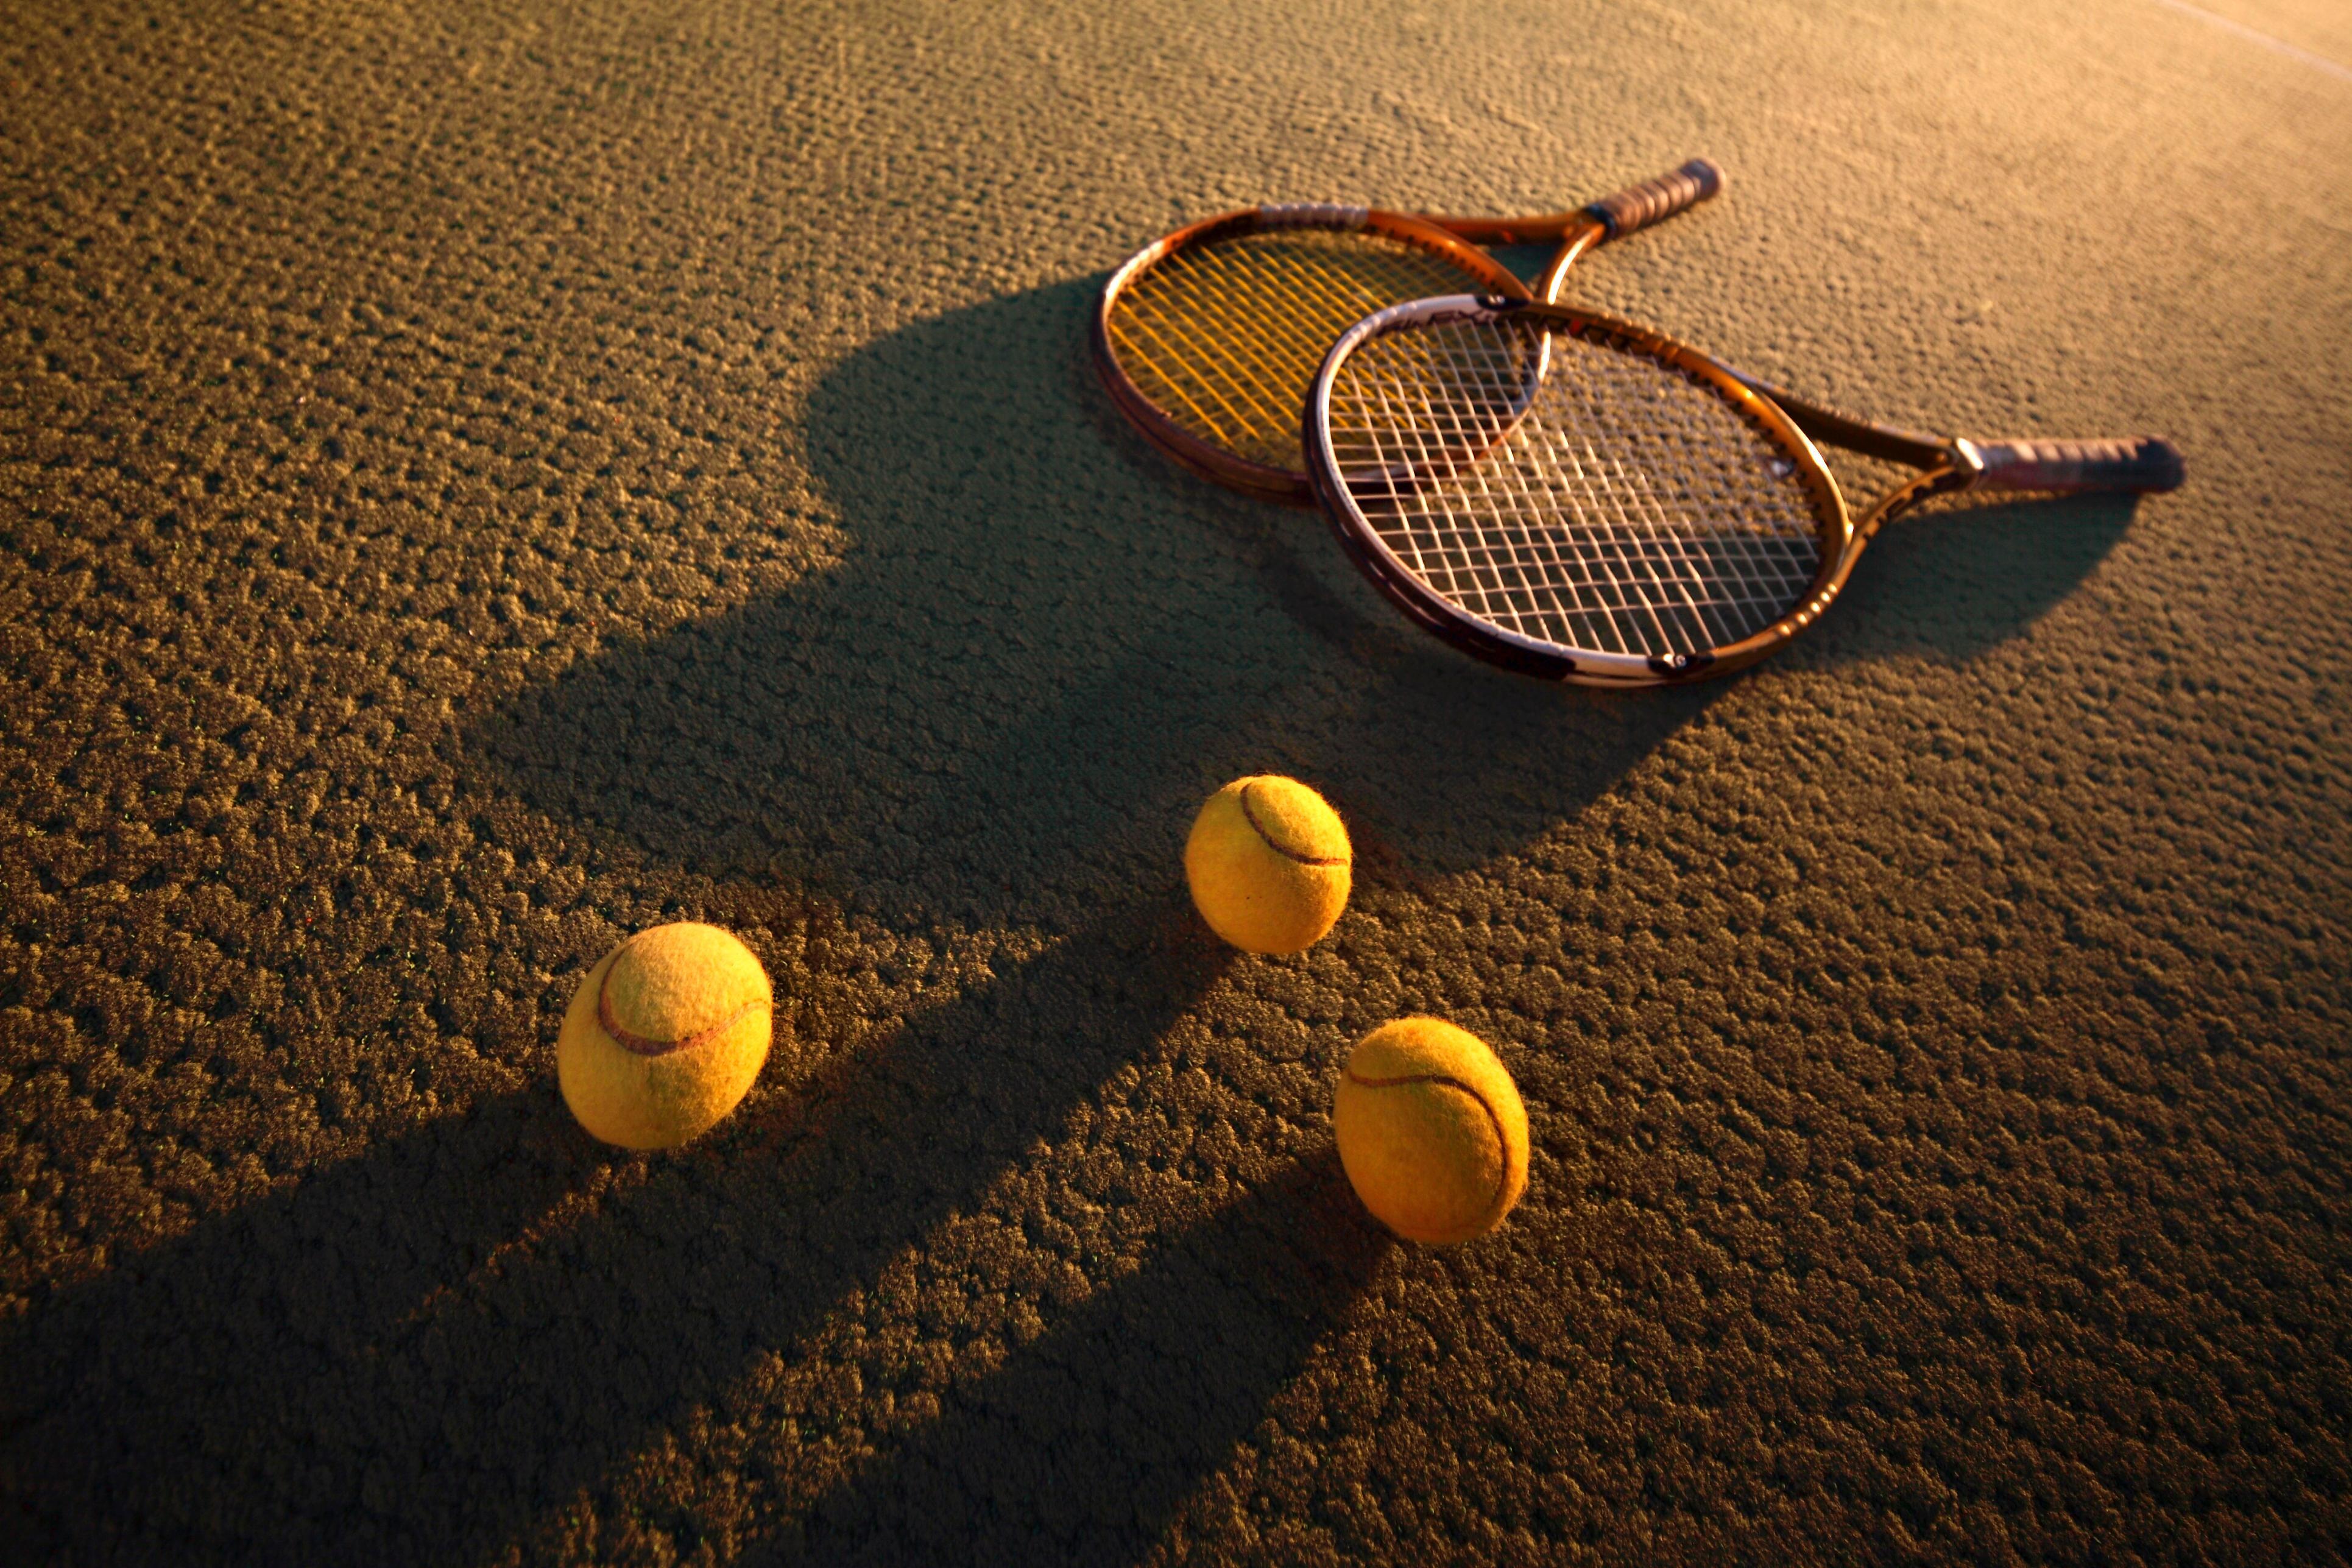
x: 1586, y: 499
x: 1209, y: 338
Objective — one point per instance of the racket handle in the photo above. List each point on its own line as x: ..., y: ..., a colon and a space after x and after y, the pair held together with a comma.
x: 2137, y: 463
x: 1639, y: 206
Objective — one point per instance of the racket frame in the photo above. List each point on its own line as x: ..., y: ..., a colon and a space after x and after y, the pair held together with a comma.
x: 1206, y: 458
x: 1454, y: 240
x: 1789, y: 423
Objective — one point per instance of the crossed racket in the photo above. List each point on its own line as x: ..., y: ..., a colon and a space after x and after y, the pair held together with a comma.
x: 1555, y: 491
x: 1584, y: 498
x: 1208, y: 338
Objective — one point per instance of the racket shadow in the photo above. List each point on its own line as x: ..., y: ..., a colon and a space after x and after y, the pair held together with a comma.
x: 1958, y: 583
x: 429, y: 1351
x: 1043, y: 647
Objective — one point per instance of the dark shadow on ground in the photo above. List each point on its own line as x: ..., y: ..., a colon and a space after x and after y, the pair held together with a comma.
x: 1083, y: 1446
x: 1957, y: 582
x: 413, y: 1356
x: 1044, y: 647
x: 1045, y: 644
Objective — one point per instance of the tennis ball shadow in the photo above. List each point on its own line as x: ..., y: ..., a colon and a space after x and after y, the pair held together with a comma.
x: 1043, y: 649
x: 416, y: 1356
x: 1958, y: 582
x: 1082, y: 1447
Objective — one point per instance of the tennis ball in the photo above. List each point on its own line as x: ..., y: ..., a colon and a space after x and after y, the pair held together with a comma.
x: 1431, y: 1131
x: 665, y: 1035
x: 1269, y: 862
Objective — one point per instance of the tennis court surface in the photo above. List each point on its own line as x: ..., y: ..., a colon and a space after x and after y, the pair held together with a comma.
x: 479, y: 482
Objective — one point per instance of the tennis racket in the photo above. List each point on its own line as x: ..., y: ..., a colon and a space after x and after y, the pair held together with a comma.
x: 1208, y: 338
x: 1585, y: 500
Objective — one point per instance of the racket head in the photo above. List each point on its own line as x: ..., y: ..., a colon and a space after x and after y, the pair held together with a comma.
x: 1208, y: 340
x: 1571, y: 496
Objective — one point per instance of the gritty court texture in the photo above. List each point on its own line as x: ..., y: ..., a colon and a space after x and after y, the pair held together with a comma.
x: 479, y: 481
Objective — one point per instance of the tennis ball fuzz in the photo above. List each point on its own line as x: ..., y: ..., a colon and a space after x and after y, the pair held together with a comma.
x: 1431, y: 1130
x: 1267, y: 863
x: 665, y: 1035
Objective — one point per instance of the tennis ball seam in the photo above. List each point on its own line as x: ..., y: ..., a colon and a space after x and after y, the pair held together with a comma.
x: 1267, y: 840
x: 639, y: 1045
x: 1445, y: 1080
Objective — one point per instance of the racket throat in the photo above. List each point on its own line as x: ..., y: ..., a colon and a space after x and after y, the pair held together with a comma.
x: 1944, y: 479
x: 1554, y: 281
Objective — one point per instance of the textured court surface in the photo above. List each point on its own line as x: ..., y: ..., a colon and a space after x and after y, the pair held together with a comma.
x: 478, y: 480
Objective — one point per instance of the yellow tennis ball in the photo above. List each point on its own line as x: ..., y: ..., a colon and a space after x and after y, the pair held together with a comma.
x: 665, y: 1035
x: 1267, y: 862
x: 1431, y: 1131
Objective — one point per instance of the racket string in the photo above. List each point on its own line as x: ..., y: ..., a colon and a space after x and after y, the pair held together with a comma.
x: 1576, y: 495
x: 1229, y: 331
x: 1224, y: 338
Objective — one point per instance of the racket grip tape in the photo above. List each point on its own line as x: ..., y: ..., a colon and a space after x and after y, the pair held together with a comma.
x: 2137, y: 463
x: 1639, y: 206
